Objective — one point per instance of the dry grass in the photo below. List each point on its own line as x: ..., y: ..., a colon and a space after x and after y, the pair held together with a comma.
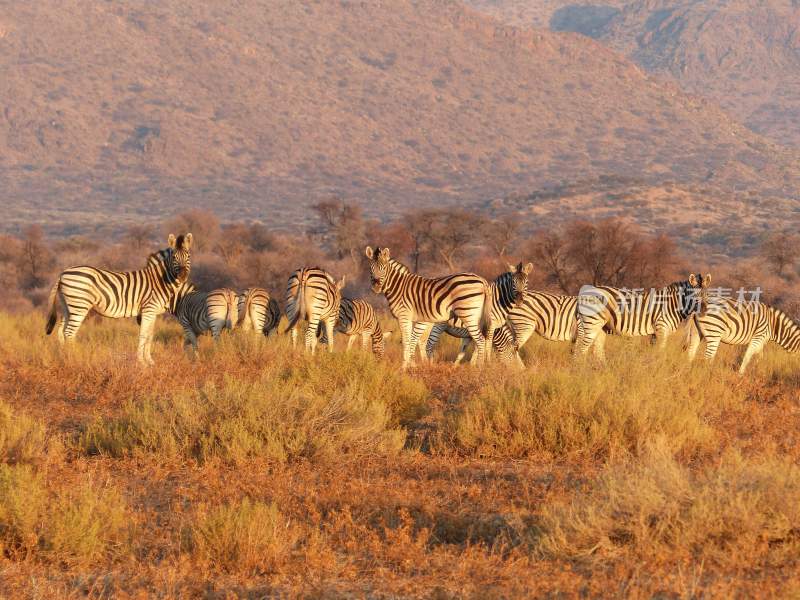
x: 258, y: 471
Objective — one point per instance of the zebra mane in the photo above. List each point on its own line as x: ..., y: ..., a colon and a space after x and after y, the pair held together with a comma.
x: 398, y: 266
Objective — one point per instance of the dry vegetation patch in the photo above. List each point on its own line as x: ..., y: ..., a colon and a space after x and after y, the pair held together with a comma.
x: 256, y: 470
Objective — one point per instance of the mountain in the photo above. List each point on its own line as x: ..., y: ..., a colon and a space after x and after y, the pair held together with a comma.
x: 122, y: 111
x: 745, y: 56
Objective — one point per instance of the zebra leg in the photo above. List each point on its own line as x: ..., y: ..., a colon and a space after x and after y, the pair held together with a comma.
x: 599, y: 346
x: 586, y: 334
x: 433, y: 339
x: 189, y: 343
x: 712, y: 345
x: 406, y: 327
x: 145, y: 338
x: 366, y: 339
x: 755, y: 346
x: 329, y: 325
x: 489, y: 338
x: 691, y: 343
x: 351, y: 339
x: 294, y: 337
x: 311, y: 335
x: 73, y: 319
x: 462, y: 352
x: 416, y: 333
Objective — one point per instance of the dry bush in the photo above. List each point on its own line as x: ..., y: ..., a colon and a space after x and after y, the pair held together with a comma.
x: 743, y: 512
x: 22, y: 439
x: 83, y: 522
x: 22, y: 502
x: 568, y: 408
x: 249, y: 537
x: 333, y: 406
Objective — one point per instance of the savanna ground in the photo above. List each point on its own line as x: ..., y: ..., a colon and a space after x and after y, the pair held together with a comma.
x: 257, y: 471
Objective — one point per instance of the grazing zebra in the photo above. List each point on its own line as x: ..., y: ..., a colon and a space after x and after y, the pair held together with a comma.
x: 313, y: 295
x: 201, y: 312
x: 357, y: 318
x: 726, y: 321
x: 657, y: 312
x: 258, y: 311
x: 417, y: 302
x: 508, y: 291
x: 146, y: 293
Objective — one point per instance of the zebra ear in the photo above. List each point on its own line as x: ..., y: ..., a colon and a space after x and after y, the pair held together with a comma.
x: 527, y: 268
x: 171, y: 240
x: 370, y: 252
x: 187, y: 241
x: 692, y: 280
x: 384, y: 254
x: 340, y: 283
x: 511, y: 268
x: 707, y: 280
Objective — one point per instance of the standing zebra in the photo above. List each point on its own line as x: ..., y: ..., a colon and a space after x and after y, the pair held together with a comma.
x: 146, y: 293
x: 258, y: 311
x: 313, y: 295
x: 726, y: 321
x: 199, y: 312
x: 657, y: 312
x: 417, y: 302
x: 357, y: 318
x: 508, y: 291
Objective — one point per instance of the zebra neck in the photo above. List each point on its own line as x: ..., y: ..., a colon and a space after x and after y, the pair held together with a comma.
x: 397, y: 275
x: 502, y: 291
x: 156, y: 264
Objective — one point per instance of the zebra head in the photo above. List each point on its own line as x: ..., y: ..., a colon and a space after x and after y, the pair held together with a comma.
x: 519, y: 282
x: 695, y: 292
x: 378, y: 267
x: 179, y: 257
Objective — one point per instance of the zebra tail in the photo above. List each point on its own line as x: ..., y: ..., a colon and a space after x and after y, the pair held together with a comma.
x: 486, y: 313
x: 52, y: 316
x: 230, y: 305
x: 300, y: 307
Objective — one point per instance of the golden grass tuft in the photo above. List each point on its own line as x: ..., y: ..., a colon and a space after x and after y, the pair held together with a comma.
x: 249, y: 537
x: 22, y: 438
x: 742, y: 512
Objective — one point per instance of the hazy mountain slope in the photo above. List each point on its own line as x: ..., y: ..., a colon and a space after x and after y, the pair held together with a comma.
x: 260, y: 108
x: 743, y: 55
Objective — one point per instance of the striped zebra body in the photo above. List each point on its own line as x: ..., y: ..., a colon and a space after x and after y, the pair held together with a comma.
x: 314, y: 296
x: 551, y: 316
x: 657, y: 312
x: 206, y: 312
x: 418, y: 302
x: 507, y: 291
x: 357, y: 319
x: 258, y: 312
x: 145, y: 294
x: 753, y: 324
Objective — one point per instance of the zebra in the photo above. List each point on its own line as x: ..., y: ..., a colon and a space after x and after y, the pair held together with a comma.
x: 508, y: 291
x: 146, y: 293
x: 258, y: 311
x: 726, y: 321
x: 357, y: 318
x: 200, y: 312
x: 657, y: 312
x: 313, y: 295
x: 417, y: 302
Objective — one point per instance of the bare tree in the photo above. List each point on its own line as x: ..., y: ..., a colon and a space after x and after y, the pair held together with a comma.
x: 35, y: 258
x: 140, y: 238
x: 500, y: 234
x: 781, y: 250
x: 549, y: 250
x: 343, y: 227
x: 451, y: 232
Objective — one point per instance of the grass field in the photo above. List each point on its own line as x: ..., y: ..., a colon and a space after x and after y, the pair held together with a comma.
x: 257, y: 471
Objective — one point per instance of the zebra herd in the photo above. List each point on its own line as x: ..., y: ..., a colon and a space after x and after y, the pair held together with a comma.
x: 497, y: 317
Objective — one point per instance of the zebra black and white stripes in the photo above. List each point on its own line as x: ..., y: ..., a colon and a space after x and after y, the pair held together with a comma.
x: 507, y: 291
x: 417, y: 302
x: 314, y: 296
x: 146, y: 293
x: 201, y: 312
x: 723, y: 320
x: 357, y: 319
x: 657, y: 312
x: 258, y: 311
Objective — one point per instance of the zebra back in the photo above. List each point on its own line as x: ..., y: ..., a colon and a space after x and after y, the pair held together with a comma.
x: 357, y: 317
x: 312, y: 293
x: 258, y: 310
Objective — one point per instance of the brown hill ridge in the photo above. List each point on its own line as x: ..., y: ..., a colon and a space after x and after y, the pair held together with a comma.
x: 135, y: 108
